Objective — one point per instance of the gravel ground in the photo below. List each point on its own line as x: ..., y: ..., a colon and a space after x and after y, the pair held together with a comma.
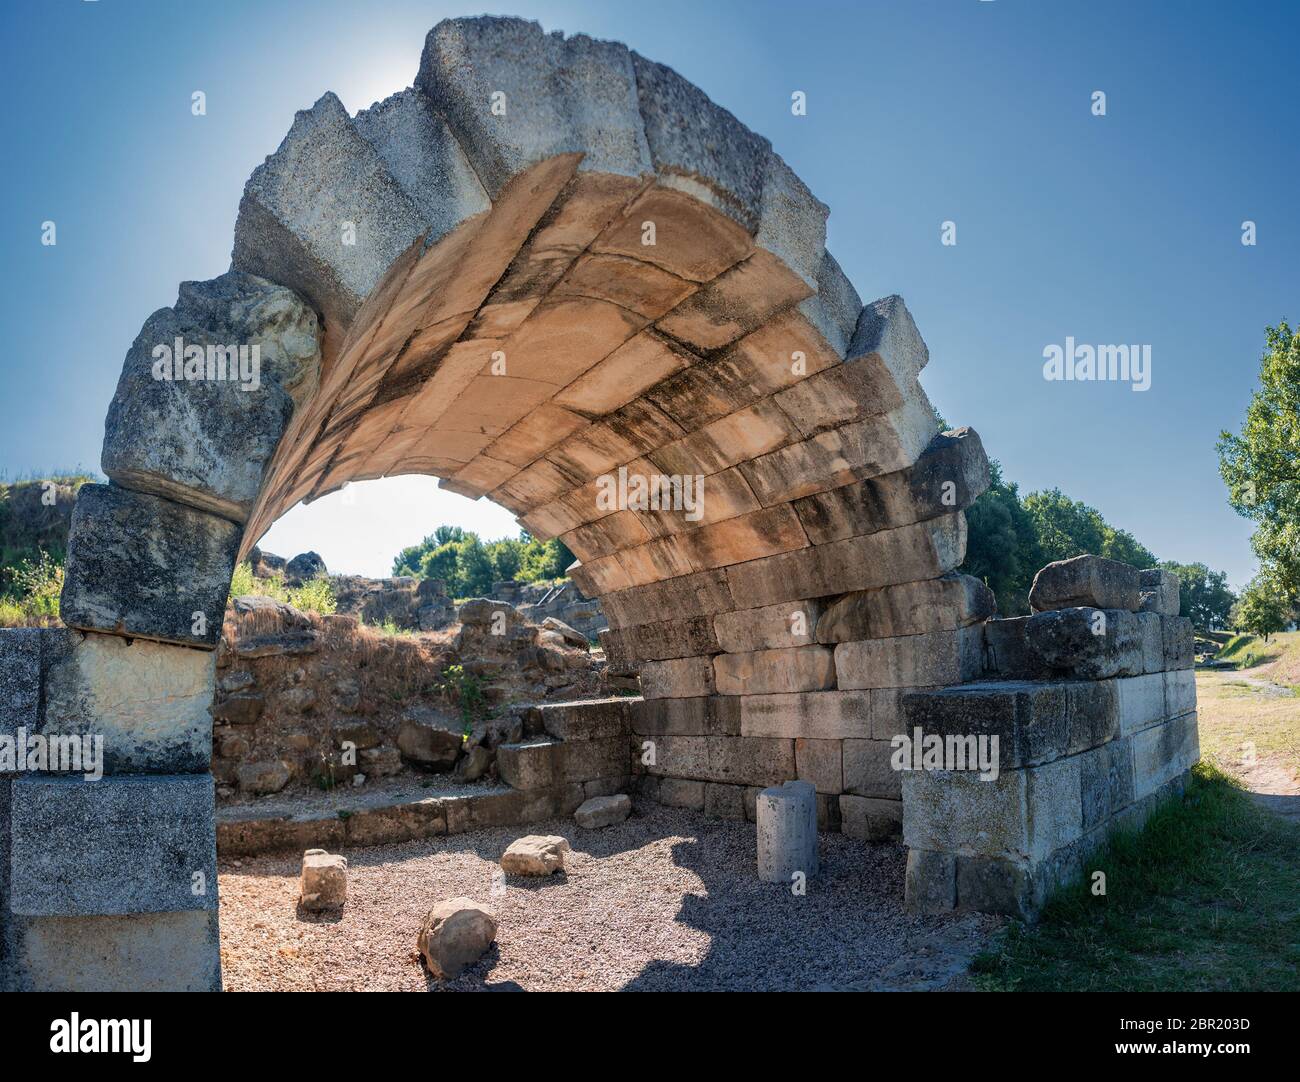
x: 667, y: 900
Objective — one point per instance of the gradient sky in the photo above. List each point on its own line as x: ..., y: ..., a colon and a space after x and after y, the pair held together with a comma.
x: 1117, y: 229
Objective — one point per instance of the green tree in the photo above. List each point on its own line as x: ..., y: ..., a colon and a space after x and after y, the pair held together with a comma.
x: 1002, y: 546
x: 1264, y: 608
x: 1203, y: 595
x: 1065, y: 527
x: 1261, y: 466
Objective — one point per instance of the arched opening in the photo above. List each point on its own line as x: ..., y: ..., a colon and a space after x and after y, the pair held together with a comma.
x: 557, y: 277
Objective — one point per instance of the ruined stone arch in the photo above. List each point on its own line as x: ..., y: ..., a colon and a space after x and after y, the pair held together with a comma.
x: 547, y: 260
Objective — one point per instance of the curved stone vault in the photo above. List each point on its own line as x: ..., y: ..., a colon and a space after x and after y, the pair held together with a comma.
x: 549, y: 265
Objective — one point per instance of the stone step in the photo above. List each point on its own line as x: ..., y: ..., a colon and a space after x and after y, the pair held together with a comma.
x: 542, y: 763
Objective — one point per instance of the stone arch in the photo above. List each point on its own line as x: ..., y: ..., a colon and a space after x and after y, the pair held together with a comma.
x: 548, y: 261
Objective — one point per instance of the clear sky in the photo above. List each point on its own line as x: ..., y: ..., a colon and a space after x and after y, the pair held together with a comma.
x: 1123, y: 228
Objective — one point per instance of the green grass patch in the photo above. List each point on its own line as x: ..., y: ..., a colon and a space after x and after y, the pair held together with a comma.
x: 1205, y: 898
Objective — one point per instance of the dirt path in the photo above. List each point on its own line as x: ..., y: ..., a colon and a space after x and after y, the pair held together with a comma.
x: 1268, y: 714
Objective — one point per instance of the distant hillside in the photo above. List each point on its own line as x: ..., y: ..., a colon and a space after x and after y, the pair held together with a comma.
x: 35, y: 515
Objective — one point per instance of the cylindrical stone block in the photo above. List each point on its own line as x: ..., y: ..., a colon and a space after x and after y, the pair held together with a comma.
x: 787, y: 831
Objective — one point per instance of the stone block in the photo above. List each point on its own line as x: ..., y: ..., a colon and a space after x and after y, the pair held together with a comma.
x: 681, y: 793
x: 1022, y: 814
x: 1030, y: 721
x: 774, y: 672
x: 998, y: 885
x: 680, y: 678
x: 115, y: 846
x: 532, y: 765
x: 911, y: 608
x: 147, y: 568
x: 939, y: 657
x: 323, y: 885
x: 1180, y: 692
x: 1105, y: 782
x: 787, y: 832
x: 771, y: 627
x: 870, y: 819
x: 1085, y: 581
x: 930, y: 884
x: 1180, y: 642
x: 1162, y: 753
x: 591, y: 719
x: 724, y: 801
x: 869, y: 770
x: 662, y: 640
x: 1092, y: 712
x: 147, y: 700
x: 203, y: 434
x: 1151, y: 636
x: 1007, y: 651
x: 820, y: 715
x: 1159, y: 592
x: 820, y: 762
x: 582, y: 760
x: 142, y: 952
x: 20, y: 679
x: 949, y: 475
x: 1141, y: 702
x: 1087, y: 644
x: 713, y: 715
x: 603, y: 811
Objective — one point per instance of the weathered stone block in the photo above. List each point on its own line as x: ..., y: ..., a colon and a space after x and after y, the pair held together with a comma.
x: 997, y: 885
x: 147, y: 568
x: 1151, y: 637
x: 236, y: 347
x: 1021, y: 814
x: 1180, y: 642
x: 771, y: 627
x: 1007, y: 651
x: 533, y: 765
x: 774, y: 672
x: 821, y: 715
x: 869, y: 771
x: 930, y: 886
x: 1085, y: 581
x: 681, y: 793
x: 143, y: 952
x: 680, y: 678
x: 1029, y: 720
x: 603, y: 811
x: 1163, y: 752
x: 911, y: 608
x: 114, y: 846
x: 713, y: 715
x: 939, y: 657
x: 869, y: 818
x: 1093, y: 713
x: 1159, y: 592
x: 147, y: 700
x: 1180, y: 692
x: 820, y: 762
x: 590, y: 719
x: 724, y: 801
x: 1141, y: 702
x: 1105, y: 782
x: 1087, y: 644
x: 323, y: 884
x: 20, y: 679
x: 660, y: 641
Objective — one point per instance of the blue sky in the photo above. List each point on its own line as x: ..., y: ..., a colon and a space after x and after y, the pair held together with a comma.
x: 1117, y: 229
